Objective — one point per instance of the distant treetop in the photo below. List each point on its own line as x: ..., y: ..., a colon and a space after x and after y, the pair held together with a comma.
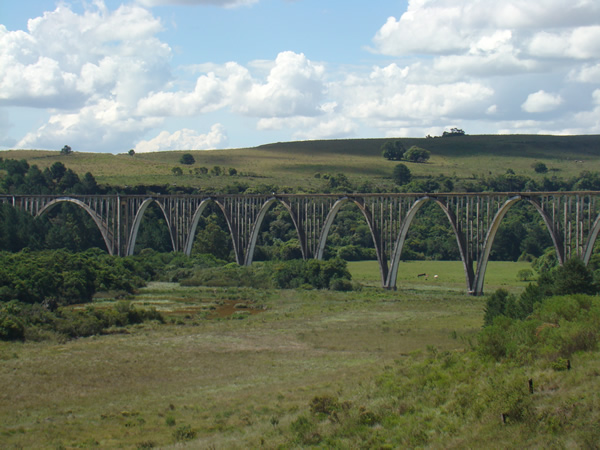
x: 187, y: 158
x: 453, y: 132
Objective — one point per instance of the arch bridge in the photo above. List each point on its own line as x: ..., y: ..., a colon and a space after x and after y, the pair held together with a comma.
x: 572, y: 220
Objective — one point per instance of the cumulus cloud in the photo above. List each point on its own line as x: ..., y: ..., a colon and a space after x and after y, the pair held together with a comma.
x: 223, y: 3
x: 450, y: 26
x: 385, y: 94
x: 541, y: 101
x: 185, y: 139
x: 294, y: 87
x: 586, y: 74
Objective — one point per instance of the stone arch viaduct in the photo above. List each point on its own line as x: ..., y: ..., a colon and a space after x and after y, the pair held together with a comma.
x: 572, y: 220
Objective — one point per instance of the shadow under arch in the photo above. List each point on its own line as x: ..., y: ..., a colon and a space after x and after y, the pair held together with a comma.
x: 138, y: 219
x: 258, y: 223
x: 390, y: 282
x: 189, y: 242
x: 493, y: 229
x: 381, y: 258
x: 591, y: 240
x: 106, y: 235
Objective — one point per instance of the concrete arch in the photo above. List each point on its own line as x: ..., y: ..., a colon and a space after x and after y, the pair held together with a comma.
x: 258, y: 223
x: 369, y: 219
x: 487, y: 244
x: 239, y: 257
x: 138, y: 219
x: 189, y: 240
x: 97, y: 220
x: 406, y: 223
x: 560, y: 251
x: 399, y: 245
x: 493, y: 229
x: 591, y: 240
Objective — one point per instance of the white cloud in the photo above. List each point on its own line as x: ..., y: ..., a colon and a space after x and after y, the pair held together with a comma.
x: 334, y: 128
x: 512, y: 28
x: 586, y: 74
x: 106, y: 124
x: 294, y: 87
x: 541, y: 101
x: 579, y: 43
x: 386, y: 95
x: 223, y: 3
x: 185, y: 139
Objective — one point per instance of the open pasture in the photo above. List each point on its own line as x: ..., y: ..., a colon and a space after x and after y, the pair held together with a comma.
x: 450, y: 275
x: 233, y: 367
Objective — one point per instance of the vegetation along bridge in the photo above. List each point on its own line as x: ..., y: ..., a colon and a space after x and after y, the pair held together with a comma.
x: 572, y: 219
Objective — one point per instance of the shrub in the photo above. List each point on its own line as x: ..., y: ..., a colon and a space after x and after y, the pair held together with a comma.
x: 401, y: 175
x: 417, y: 154
x: 540, y: 167
x: 12, y: 327
x: 525, y: 275
x: 184, y: 433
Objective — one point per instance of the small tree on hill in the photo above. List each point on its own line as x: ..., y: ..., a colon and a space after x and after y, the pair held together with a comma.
x: 187, y: 158
x: 393, y: 150
x: 66, y: 150
x: 417, y: 154
x: 401, y: 175
x: 540, y: 167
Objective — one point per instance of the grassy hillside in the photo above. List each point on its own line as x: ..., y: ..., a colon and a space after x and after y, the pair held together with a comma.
x: 295, y: 164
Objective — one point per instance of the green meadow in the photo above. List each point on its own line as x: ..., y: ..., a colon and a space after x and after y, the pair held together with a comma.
x: 248, y: 368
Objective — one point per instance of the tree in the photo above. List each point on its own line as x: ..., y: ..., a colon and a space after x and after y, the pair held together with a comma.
x: 540, y: 167
x: 417, y: 154
x: 57, y: 170
x: 573, y: 277
x: 232, y: 172
x: 187, y: 158
x: 213, y: 240
x: 177, y: 171
x: 131, y: 152
x: 401, y: 175
x: 66, y: 150
x: 392, y: 150
x: 453, y: 132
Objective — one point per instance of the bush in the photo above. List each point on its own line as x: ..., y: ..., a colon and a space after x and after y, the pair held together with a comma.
x: 12, y: 327
x: 417, y: 154
x: 525, y: 275
x: 540, y: 167
x: 401, y: 175
x: 184, y: 433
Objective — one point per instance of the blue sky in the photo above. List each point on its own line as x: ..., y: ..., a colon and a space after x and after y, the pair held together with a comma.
x: 154, y: 75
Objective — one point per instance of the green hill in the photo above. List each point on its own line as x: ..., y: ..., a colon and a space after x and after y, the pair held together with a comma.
x: 301, y: 163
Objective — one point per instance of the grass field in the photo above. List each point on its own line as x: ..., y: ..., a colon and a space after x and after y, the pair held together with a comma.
x: 234, y: 365
x: 451, y: 275
x: 294, y: 164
